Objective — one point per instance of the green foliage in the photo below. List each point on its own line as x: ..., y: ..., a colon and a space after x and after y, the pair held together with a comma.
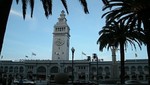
x: 61, y: 78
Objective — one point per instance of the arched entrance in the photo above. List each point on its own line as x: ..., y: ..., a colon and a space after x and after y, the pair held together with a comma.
x: 54, y: 70
x: 81, y: 77
x: 41, y: 73
x: 30, y: 75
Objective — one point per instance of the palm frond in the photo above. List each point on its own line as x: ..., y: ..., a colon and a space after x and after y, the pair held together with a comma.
x: 112, y: 3
x: 24, y: 7
x: 116, y: 32
x: 84, y: 5
x: 17, y: 1
x: 65, y: 5
x: 32, y: 6
x: 106, y: 2
x: 50, y: 7
x: 45, y: 6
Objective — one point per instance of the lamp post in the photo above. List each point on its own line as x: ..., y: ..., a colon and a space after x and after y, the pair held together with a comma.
x: 49, y: 79
x: 96, y: 58
x: 72, y: 50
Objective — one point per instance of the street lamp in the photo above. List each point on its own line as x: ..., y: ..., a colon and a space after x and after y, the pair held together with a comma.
x: 72, y: 50
x: 96, y: 58
x: 49, y: 79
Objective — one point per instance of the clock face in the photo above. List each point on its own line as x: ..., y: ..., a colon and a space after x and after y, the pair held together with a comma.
x: 59, y: 42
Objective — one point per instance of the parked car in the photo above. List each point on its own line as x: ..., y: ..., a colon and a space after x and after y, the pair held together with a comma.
x: 16, y: 81
x: 132, y: 82
x: 24, y: 81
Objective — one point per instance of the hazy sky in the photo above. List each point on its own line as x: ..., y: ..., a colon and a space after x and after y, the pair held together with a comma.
x: 35, y: 34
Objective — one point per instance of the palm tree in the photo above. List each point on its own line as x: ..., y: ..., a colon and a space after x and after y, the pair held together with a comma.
x: 5, y: 6
x: 117, y: 34
x: 133, y: 12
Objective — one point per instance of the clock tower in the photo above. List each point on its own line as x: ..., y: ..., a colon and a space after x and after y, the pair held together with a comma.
x: 60, y: 50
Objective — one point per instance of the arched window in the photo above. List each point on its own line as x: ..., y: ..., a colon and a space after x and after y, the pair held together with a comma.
x: 106, y: 69
x: 30, y: 75
x: 82, y: 76
x: 140, y: 68
x: 6, y: 69
x: 133, y: 68
x: 93, y: 69
x: 100, y: 77
x: 21, y: 69
x: 54, y: 69
x: 107, y: 77
x: 41, y: 69
x: 1, y: 69
x: 68, y: 69
x: 127, y: 77
x: 145, y: 68
x: 141, y: 77
x: 146, y: 77
x: 100, y: 69
x: 10, y: 69
x: 133, y: 77
x: 16, y: 69
x: 41, y: 73
x: 126, y: 68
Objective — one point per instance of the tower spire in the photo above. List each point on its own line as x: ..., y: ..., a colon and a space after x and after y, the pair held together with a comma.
x: 62, y: 15
x: 62, y: 18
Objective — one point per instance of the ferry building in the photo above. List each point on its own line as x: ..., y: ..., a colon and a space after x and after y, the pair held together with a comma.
x: 83, y: 70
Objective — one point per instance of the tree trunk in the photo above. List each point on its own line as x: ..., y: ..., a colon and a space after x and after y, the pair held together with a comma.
x: 5, y: 6
x: 148, y: 52
x: 146, y: 24
x: 147, y: 35
x: 122, y: 63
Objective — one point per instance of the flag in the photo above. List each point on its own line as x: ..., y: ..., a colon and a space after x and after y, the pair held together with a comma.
x: 33, y: 54
x: 1, y: 57
x: 135, y: 55
x: 83, y: 53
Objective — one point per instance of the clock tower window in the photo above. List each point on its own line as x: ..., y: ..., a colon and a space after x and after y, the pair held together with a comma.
x: 60, y: 29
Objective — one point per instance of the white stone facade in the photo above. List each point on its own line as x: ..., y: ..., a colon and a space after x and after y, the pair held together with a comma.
x: 83, y: 70
x: 61, y: 37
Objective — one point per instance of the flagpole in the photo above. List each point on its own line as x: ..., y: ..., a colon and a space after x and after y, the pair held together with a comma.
x: 1, y: 57
x: 135, y: 56
x: 33, y: 54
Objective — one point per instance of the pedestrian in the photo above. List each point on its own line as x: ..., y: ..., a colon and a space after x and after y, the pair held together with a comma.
x: 4, y: 81
x: 9, y: 81
x: 21, y: 81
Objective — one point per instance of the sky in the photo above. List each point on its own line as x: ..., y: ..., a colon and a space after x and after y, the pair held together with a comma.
x: 34, y: 35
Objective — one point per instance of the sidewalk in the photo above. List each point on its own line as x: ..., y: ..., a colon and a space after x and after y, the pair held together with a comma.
x: 41, y: 82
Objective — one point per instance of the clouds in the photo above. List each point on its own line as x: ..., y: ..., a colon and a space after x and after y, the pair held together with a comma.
x: 30, y: 23
x: 19, y: 14
x: 14, y: 12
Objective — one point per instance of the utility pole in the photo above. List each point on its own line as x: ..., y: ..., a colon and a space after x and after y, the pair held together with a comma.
x: 72, y: 50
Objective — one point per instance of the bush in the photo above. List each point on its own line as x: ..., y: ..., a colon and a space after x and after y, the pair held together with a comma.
x: 61, y: 78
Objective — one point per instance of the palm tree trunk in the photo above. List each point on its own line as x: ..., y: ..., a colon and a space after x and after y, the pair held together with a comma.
x: 122, y: 62
x: 5, y: 6
x: 146, y: 22
x: 148, y: 52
